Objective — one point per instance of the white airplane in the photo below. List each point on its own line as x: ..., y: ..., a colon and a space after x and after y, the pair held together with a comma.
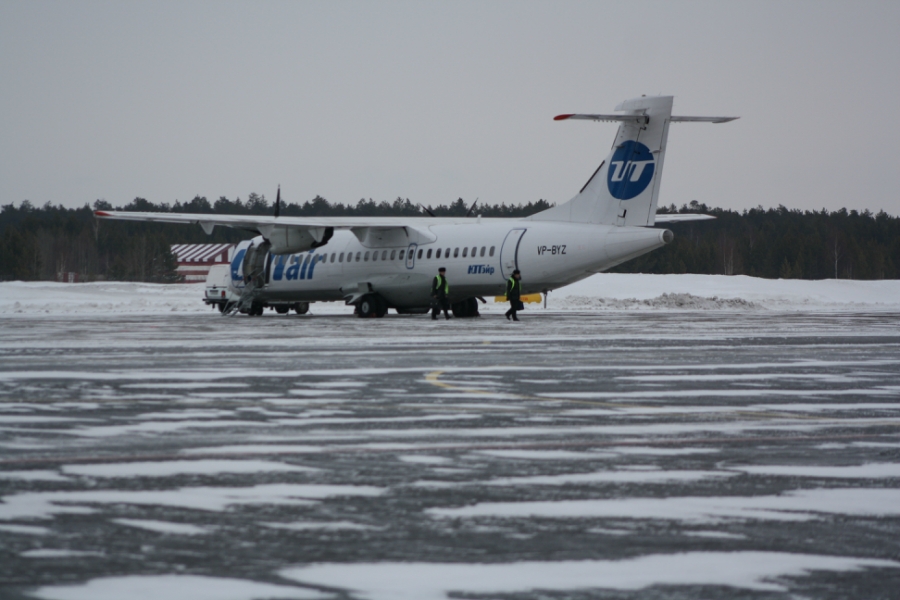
x: 376, y: 263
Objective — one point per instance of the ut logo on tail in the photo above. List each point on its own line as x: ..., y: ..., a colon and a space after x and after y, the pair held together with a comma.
x: 630, y: 170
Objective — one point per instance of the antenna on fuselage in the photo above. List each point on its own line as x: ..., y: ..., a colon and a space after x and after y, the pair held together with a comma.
x: 469, y: 214
x: 428, y: 211
x: 278, y: 202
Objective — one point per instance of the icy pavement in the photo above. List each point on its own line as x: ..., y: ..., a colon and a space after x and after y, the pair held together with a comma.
x: 577, y: 454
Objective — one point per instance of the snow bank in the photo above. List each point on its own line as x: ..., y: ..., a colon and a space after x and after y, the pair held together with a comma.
x: 605, y: 291
x: 612, y: 291
x: 34, y: 297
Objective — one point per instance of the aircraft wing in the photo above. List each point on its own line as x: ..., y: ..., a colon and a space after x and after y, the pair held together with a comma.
x: 680, y: 218
x: 259, y: 223
x: 297, y: 234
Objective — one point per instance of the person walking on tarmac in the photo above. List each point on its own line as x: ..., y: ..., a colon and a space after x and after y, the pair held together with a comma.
x: 440, y: 289
x: 514, y: 295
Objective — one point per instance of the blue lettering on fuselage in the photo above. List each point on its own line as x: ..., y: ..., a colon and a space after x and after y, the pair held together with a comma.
x: 293, y: 270
x: 312, y: 265
x: 236, y: 265
x: 278, y: 272
x: 298, y: 267
x: 481, y: 269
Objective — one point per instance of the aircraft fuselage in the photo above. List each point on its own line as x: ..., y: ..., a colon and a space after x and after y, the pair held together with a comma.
x: 479, y: 258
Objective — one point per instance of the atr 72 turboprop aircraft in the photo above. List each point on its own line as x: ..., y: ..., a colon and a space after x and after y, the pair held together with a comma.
x: 376, y: 263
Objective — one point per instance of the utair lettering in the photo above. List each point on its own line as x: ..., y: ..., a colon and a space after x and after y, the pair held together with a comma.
x: 481, y: 270
x: 298, y: 266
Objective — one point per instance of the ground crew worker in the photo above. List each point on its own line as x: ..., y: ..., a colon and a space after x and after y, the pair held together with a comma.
x: 440, y: 289
x: 514, y: 295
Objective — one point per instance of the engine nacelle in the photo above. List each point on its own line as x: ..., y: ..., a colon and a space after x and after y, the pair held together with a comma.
x: 293, y: 240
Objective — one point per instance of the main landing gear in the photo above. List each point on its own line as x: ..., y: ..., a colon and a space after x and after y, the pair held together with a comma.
x: 371, y: 305
x: 465, y: 309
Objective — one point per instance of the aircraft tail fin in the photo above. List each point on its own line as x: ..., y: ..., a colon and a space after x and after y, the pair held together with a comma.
x: 624, y: 190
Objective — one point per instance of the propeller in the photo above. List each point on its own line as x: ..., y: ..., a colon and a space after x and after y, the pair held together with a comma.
x: 469, y: 214
x: 278, y: 202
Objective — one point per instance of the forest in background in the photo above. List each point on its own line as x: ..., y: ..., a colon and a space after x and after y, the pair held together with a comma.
x: 36, y: 243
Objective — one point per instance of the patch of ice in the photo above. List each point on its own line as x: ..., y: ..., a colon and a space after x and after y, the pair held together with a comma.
x: 866, y: 471
x: 54, y: 553
x: 317, y: 525
x: 797, y: 505
x: 185, y: 414
x: 424, y: 460
x: 605, y: 531
x: 24, y: 529
x: 716, y: 535
x: 33, y: 476
x: 182, y: 467
x: 43, y: 505
x: 650, y: 451
x: 257, y: 449
x: 435, y: 581
x: 174, y: 587
x: 543, y: 454
x: 163, y: 526
x: 636, y: 476
x: 152, y: 427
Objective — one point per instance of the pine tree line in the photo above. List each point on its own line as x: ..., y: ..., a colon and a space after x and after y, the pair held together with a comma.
x: 779, y: 243
x: 37, y: 243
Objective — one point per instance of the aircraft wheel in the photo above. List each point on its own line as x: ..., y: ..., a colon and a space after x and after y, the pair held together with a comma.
x: 301, y: 308
x: 282, y: 310
x: 382, y: 307
x: 221, y: 306
x: 368, y: 305
x: 372, y: 305
x: 466, y: 308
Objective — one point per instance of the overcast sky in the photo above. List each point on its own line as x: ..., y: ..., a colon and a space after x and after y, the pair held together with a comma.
x: 433, y: 101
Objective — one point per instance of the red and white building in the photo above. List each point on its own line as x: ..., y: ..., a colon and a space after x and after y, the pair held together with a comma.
x: 195, y: 260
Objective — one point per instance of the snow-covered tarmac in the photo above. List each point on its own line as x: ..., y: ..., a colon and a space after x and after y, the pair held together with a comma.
x: 677, y: 436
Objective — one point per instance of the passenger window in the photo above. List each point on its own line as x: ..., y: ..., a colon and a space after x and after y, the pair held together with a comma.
x: 402, y: 252
x: 429, y: 253
x: 307, y: 259
x: 491, y: 253
x: 366, y: 257
x: 474, y: 250
x: 420, y: 253
x: 333, y: 256
x: 384, y: 255
x: 455, y: 252
x: 359, y: 256
x: 393, y: 254
x: 341, y: 257
x: 375, y: 256
x: 465, y: 252
x: 447, y: 253
x: 482, y: 250
x: 438, y: 255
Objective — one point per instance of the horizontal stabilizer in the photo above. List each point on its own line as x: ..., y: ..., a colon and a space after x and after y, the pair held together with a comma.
x: 643, y: 119
x: 702, y: 119
x: 672, y: 218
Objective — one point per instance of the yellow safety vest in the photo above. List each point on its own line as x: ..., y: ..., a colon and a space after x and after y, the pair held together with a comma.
x: 442, y: 282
